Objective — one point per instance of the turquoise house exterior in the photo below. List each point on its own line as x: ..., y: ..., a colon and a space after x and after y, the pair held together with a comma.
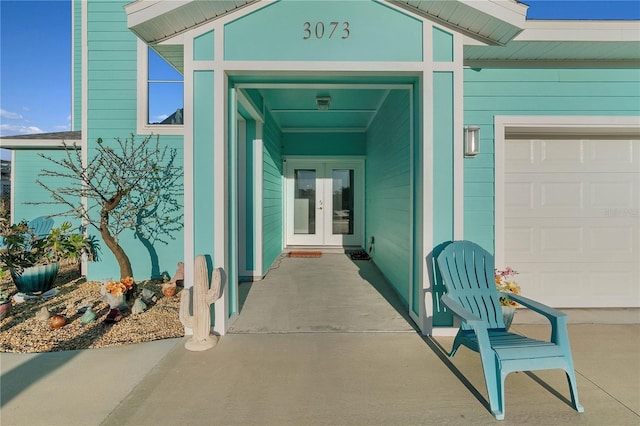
x: 344, y: 124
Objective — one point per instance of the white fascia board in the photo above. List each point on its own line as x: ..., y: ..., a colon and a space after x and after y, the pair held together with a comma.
x: 38, y: 143
x: 505, y: 10
x: 143, y: 10
x: 613, y: 31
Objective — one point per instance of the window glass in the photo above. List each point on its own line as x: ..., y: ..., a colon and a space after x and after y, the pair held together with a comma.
x: 165, y: 91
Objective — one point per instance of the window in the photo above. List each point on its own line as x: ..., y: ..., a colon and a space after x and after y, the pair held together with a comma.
x: 160, y: 94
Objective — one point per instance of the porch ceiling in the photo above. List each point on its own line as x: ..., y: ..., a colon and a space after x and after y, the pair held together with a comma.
x: 350, y: 109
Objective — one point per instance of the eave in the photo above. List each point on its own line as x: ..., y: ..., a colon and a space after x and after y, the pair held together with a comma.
x: 42, y: 141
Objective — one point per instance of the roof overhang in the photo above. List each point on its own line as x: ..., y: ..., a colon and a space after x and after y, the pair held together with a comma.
x: 42, y: 141
x: 493, y: 21
x: 496, y: 31
x: 578, y: 41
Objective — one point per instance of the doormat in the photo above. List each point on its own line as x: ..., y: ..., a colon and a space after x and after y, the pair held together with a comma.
x: 359, y: 255
x: 305, y: 254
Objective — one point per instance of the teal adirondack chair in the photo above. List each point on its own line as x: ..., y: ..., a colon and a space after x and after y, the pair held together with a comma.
x: 468, y: 274
x: 41, y: 226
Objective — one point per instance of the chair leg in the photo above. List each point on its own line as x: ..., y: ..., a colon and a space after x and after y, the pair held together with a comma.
x: 573, y: 389
x: 495, y: 384
x: 456, y: 344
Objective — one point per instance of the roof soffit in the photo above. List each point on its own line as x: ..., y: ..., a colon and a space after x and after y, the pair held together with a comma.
x: 494, y: 22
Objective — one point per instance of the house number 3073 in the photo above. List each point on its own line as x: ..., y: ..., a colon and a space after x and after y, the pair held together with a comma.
x: 321, y: 30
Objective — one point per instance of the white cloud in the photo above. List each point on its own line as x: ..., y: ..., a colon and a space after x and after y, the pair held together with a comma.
x: 16, y: 129
x: 62, y: 128
x: 26, y: 109
x: 8, y: 115
x: 161, y: 117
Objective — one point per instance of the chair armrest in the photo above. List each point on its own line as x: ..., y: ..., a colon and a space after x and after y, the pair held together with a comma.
x: 558, y: 319
x: 478, y: 325
x: 464, y: 314
x: 538, y: 307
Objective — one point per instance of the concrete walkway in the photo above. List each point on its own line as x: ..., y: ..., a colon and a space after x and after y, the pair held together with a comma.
x: 317, y: 376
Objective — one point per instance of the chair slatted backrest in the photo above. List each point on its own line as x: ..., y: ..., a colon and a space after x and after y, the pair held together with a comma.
x: 41, y: 226
x: 468, y: 274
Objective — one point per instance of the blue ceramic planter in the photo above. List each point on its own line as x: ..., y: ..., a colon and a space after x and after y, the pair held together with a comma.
x: 35, y: 279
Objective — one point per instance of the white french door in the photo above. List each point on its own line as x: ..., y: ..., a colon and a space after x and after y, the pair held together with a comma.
x: 324, y: 202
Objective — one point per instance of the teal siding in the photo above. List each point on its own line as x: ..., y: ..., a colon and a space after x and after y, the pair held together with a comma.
x: 388, y: 190
x: 203, y: 47
x: 27, y: 166
x: 111, y: 112
x: 272, y: 222
x: 357, y: 27
x: 442, y: 45
x: 330, y: 144
x: 491, y: 92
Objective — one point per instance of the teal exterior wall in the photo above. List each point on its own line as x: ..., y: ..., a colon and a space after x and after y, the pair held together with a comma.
x: 111, y: 113
x: 272, y: 203
x: 388, y: 190
x: 26, y: 168
x: 333, y: 144
x: 358, y: 27
x: 491, y: 92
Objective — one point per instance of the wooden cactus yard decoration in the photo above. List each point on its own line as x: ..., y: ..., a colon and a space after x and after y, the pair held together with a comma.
x: 200, y: 297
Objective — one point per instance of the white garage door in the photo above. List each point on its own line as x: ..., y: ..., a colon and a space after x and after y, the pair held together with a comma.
x: 572, y: 220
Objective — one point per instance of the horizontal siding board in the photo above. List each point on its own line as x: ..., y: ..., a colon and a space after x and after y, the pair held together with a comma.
x: 272, y: 208
x: 522, y: 75
x: 554, y: 89
x: 533, y: 105
x: 388, y: 190
x: 509, y: 92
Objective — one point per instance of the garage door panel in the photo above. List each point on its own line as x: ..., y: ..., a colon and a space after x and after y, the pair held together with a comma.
x: 570, y: 156
x: 563, y: 153
x: 565, y: 284
x: 519, y: 195
x: 617, y: 193
x: 561, y: 194
x: 624, y: 153
x: 572, y: 220
x: 551, y: 240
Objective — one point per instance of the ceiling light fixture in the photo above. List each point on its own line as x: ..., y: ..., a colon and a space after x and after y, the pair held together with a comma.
x: 323, y: 102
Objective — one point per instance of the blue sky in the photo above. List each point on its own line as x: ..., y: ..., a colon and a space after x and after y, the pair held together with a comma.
x: 35, y: 56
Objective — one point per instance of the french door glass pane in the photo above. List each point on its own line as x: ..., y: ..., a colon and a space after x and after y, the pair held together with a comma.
x: 342, y: 189
x: 304, y: 204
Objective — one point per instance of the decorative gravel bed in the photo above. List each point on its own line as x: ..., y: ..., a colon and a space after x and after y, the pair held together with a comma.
x: 20, y: 331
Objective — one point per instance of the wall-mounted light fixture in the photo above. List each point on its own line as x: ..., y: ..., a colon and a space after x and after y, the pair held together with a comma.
x: 471, y: 141
x: 323, y: 102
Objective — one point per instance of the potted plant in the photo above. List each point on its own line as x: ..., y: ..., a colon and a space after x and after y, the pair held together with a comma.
x: 34, y: 262
x: 5, y: 304
x: 506, y: 283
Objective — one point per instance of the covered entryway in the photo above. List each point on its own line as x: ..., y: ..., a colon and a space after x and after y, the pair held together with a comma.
x: 379, y: 81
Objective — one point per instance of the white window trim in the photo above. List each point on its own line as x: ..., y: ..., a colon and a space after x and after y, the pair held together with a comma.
x: 143, y: 127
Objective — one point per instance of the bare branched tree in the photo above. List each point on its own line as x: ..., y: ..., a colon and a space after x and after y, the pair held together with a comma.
x: 128, y: 185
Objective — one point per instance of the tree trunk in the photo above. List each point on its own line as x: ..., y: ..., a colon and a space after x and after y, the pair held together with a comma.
x: 118, y: 252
